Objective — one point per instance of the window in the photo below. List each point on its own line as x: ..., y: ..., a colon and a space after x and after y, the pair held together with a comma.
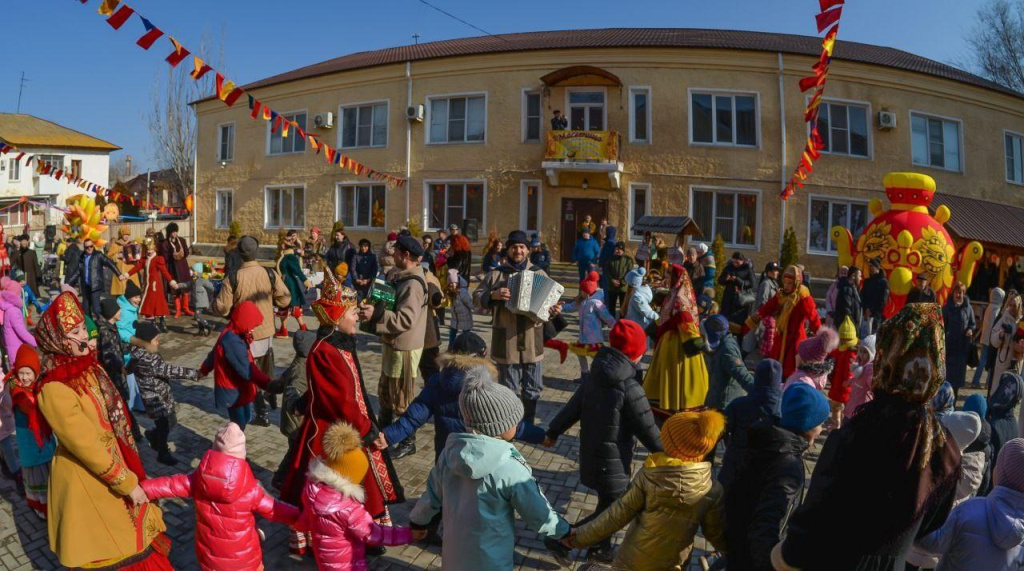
x: 639, y: 206
x: 285, y: 207
x: 76, y: 168
x: 844, y: 129
x: 361, y: 205
x: 731, y: 213
x: 279, y: 145
x: 935, y: 141
x: 639, y: 115
x: 728, y: 120
x: 55, y: 161
x: 586, y: 110
x: 529, y: 204
x: 453, y: 203
x: 226, y: 142
x: 364, y: 126
x: 14, y: 174
x: 13, y: 216
x: 225, y: 208
x: 533, y: 119
x: 1014, y: 158
x: 458, y: 119
x: 826, y: 214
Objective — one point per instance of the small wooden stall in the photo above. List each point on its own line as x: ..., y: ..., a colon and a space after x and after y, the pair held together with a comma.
x: 657, y: 260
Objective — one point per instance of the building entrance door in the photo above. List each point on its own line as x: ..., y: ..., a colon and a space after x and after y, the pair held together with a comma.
x: 574, y: 210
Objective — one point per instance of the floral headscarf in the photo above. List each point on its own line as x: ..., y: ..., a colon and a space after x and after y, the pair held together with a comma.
x: 681, y: 299
x: 911, y: 359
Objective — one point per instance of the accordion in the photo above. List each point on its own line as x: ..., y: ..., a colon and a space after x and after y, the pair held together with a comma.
x: 533, y: 294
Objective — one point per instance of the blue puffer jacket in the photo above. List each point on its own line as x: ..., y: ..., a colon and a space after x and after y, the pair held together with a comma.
x: 608, y: 249
x: 981, y: 533
x: 440, y: 399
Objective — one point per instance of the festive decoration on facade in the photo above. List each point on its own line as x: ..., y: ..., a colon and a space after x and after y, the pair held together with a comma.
x: 908, y: 241
x: 84, y: 219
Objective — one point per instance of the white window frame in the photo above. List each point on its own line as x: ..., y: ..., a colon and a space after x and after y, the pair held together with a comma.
x: 690, y: 92
x: 266, y: 205
x: 524, y: 204
x: 467, y: 95
x: 632, y: 115
x: 41, y: 160
x: 426, y: 201
x: 217, y: 211
x: 220, y: 142
x: 604, y: 107
x: 831, y: 200
x: 540, y: 134
x: 634, y: 186
x: 960, y: 132
x: 387, y: 124
x: 14, y: 171
x: 850, y: 103
x: 338, y: 186
x: 1019, y: 136
x: 270, y: 125
x: 733, y: 189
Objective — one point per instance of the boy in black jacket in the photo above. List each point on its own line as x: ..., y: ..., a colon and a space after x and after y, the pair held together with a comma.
x: 613, y: 412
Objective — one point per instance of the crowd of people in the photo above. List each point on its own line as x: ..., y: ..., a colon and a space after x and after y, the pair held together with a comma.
x: 903, y: 479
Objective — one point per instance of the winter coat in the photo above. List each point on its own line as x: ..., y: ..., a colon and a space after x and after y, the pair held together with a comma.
x: 848, y: 304
x: 615, y: 268
x: 405, y: 328
x: 366, y: 267
x: 226, y: 494
x: 728, y: 377
x: 434, y: 301
x: 767, y: 485
x: 742, y: 282
x: 203, y: 292
x: 586, y: 252
x: 292, y: 383
x: 613, y: 413
x: 14, y: 329
x: 97, y: 261
x: 707, y: 261
x: 333, y: 513
x: 817, y: 381
x: 29, y: 451
x: 981, y: 533
x: 802, y: 319
x: 462, y: 309
x: 6, y: 412
x: 515, y: 339
x: 593, y: 312
x: 874, y: 294
x: 1005, y: 350
x: 860, y: 389
x: 290, y: 268
x: 1001, y: 406
x: 112, y: 352
x: 154, y: 295
x: 28, y: 261
x: 988, y: 319
x: 180, y: 269
x: 666, y: 502
x: 338, y: 253
x: 638, y: 307
x: 541, y: 259
x: 126, y: 324
x: 154, y: 377
x: 765, y: 291
x: 254, y: 284
x: 608, y: 247
x: 482, y: 482
x: 958, y: 320
x: 235, y: 374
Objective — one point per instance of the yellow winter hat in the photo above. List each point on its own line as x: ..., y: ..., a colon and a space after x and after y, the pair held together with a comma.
x: 689, y: 436
x: 847, y: 334
x: 343, y: 452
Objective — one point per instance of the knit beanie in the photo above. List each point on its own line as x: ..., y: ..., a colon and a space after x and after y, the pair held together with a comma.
x: 817, y: 348
x: 27, y: 358
x: 689, y: 436
x: 131, y: 289
x: 343, y: 452
x: 635, y: 277
x: 868, y: 344
x: 803, y: 408
x: 847, y: 334
x: 469, y: 343
x: 627, y: 336
x: 146, y: 331
x: 1010, y: 466
x: 964, y: 426
x: 488, y: 407
x: 589, y: 283
x: 230, y: 440
x: 977, y: 404
x: 109, y: 308
x: 198, y: 268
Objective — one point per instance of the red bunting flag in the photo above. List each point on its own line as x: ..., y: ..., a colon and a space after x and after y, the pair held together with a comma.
x: 255, y: 105
x: 107, y: 7
x: 199, y: 68
x: 120, y: 17
x: 329, y: 153
x: 21, y: 154
x: 179, y: 53
x: 826, y: 19
x: 152, y: 34
x: 826, y: 4
x: 285, y: 127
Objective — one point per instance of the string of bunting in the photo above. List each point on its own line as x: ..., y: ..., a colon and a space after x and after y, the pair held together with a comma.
x: 118, y: 13
x: 44, y: 168
x: 828, y: 18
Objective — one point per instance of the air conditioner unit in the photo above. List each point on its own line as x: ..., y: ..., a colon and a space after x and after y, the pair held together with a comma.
x: 414, y: 113
x: 886, y: 120
x: 324, y: 120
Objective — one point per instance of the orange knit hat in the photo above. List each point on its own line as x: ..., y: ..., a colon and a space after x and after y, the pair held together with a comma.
x: 343, y: 452
x: 689, y: 436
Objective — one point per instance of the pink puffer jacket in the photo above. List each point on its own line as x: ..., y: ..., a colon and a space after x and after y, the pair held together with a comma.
x: 333, y: 512
x: 226, y: 494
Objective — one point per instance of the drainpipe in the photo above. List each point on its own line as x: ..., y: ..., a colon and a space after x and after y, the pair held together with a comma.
x: 408, y: 144
x: 785, y: 168
x: 195, y: 188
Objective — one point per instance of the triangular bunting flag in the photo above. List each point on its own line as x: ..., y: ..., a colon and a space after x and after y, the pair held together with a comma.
x: 826, y: 19
x: 120, y: 17
x: 152, y: 34
x: 199, y: 68
x: 179, y: 53
x: 107, y: 7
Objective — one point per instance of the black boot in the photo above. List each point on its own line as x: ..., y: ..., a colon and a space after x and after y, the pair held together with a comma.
x: 272, y: 401
x: 163, y: 325
x: 262, y: 415
x: 529, y: 410
x: 160, y: 434
x: 404, y: 448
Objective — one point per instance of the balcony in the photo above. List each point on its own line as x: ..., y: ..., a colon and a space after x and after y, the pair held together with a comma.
x: 583, y: 151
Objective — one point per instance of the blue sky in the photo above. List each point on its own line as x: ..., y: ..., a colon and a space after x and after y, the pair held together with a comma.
x: 85, y: 75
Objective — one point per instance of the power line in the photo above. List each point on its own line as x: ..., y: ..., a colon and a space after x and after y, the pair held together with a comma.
x: 21, y: 88
x: 458, y: 19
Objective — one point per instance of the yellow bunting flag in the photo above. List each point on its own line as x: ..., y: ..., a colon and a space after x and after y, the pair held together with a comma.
x: 107, y: 7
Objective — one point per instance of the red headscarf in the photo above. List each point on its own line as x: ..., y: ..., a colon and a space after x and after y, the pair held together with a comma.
x: 25, y: 397
x: 244, y: 318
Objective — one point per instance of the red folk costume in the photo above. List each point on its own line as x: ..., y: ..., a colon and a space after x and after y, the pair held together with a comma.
x: 154, y: 298
x: 5, y: 260
x: 794, y: 310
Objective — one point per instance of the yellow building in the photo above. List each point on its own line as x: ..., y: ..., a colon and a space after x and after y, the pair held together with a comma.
x: 703, y: 123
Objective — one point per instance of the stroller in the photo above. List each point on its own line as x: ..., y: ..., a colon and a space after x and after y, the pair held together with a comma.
x: 50, y: 277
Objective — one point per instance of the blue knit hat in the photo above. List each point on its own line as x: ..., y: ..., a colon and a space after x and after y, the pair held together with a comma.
x: 977, y: 404
x: 803, y: 408
x: 716, y: 327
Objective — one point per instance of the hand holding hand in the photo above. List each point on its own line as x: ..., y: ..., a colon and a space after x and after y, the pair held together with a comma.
x: 418, y: 534
x: 174, y: 284
x: 123, y: 277
x: 556, y: 310
x: 365, y: 312
x: 138, y: 496
x: 381, y: 443
x: 569, y: 541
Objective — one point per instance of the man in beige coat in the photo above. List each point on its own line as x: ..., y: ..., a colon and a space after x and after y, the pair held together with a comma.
x: 402, y: 333
x: 264, y: 287
x: 517, y: 341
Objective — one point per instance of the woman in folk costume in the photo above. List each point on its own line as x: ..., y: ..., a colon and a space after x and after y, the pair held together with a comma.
x: 174, y: 249
x: 337, y: 393
x: 794, y: 310
x: 678, y: 376
x: 154, y: 297
x: 126, y: 255
x: 289, y: 265
x: 99, y: 517
x: 1005, y: 339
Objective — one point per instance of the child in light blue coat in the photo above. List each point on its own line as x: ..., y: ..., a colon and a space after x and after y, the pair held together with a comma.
x: 638, y: 305
x: 593, y: 313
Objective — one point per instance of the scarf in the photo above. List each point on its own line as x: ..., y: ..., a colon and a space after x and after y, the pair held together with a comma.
x: 26, y: 401
x: 820, y: 369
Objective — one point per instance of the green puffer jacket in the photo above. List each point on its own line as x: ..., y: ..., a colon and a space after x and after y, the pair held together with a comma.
x: 666, y: 502
x: 616, y: 268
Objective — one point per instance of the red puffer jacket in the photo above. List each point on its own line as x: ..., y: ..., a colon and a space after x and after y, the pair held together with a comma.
x: 333, y: 512
x: 226, y: 494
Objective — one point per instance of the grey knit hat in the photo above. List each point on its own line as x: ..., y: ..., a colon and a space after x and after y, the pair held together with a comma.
x: 488, y: 407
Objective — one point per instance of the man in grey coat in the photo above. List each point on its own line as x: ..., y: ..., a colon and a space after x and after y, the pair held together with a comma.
x: 728, y: 376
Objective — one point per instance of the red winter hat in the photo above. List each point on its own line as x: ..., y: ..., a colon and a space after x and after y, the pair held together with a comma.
x: 27, y: 357
x: 589, y: 283
x: 817, y: 348
x: 627, y: 336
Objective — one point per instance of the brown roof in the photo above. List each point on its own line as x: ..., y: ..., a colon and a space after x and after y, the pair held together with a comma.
x: 23, y: 130
x: 635, y: 38
x: 986, y: 222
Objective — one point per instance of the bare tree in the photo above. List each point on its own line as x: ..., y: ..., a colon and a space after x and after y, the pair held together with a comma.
x: 997, y: 43
x: 118, y: 170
